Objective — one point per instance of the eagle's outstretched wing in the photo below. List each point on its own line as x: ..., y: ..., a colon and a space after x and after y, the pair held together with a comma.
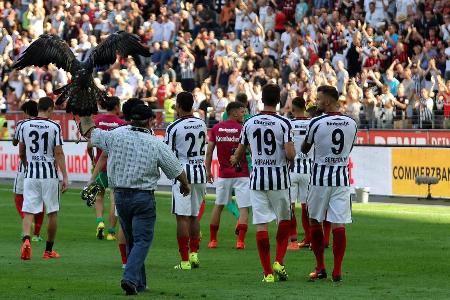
x: 45, y: 50
x: 121, y: 42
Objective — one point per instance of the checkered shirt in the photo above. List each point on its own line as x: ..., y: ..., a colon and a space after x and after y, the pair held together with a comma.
x: 134, y: 157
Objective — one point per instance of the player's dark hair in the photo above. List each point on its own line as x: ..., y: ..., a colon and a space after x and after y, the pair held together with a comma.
x: 299, y: 103
x: 30, y: 108
x: 128, y: 106
x: 111, y: 103
x: 329, y: 91
x: 242, y: 97
x: 271, y: 94
x: 234, y: 106
x: 185, y: 101
x: 45, y: 103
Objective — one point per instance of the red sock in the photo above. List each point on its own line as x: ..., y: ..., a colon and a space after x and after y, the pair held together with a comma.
x: 305, y: 224
x: 317, y: 245
x: 282, y: 240
x: 262, y: 241
x: 123, y: 252
x: 242, y: 229
x: 38, y: 219
x: 213, y: 232
x: 339, y: 245
x: 19, y: 203
x: 201, y: 211
x: 293, y: 227
x: 194, y: 244
x: 326, y: 232
x: 183, y: 247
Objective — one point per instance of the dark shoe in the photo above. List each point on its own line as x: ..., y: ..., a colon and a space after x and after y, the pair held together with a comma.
x: 128, y: 287
x: 337, y: 278
x: 322, y: 274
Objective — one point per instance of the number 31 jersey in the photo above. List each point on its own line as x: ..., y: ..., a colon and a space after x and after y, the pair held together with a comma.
x: 266, y: 134
x: 187, y: 138
x: 40, y: 137
x: 332, y: 136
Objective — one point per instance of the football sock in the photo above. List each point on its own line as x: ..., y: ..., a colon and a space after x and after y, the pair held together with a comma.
x: 183, y: 247
x: 262, y: 241
x: 339, y: 245
x: 201, y: 211
x: 282, y: 240
x: 112, y: 230
x: 326, y: 232
x: 99, y: 219
x: 38, y: 219
x: 293, y: 227
x: 49, y: 246
x: 305, y: 224
x: 123, y: 252
x: 213, y: 232
x: 242, y: 229
x: 194, y: 244
x: 25, y: 237
x: 317, y: 245
x: 19, y: 203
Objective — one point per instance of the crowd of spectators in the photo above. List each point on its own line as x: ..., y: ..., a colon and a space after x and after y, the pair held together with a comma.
x: 389, y: 59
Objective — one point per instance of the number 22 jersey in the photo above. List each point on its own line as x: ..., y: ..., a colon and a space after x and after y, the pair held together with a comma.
x: 332, y: 136
x: 266, y: 134
x: 187, y: 138
x: 40, y: 137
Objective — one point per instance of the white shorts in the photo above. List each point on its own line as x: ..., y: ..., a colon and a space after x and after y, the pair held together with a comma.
x: 189, y: 205
x: 330, y: 202
x: 270, y: 205
x: 224, y: 190
x: 18, y: 183
x: 299, y: 187
x: 38, y: 192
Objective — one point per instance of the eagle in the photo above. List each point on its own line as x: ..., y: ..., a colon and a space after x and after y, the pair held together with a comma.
x: 82, y: 94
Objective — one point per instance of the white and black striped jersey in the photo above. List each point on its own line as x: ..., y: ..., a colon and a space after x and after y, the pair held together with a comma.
x: 333, y: 136
x: 187, y: 138
x: 17, y: 137
x: 40, y: 137
x: 302, y: 163
x: 266, y: 134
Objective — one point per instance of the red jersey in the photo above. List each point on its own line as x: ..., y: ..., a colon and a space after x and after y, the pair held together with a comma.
x: 226, y: 136
x: 106, y: 122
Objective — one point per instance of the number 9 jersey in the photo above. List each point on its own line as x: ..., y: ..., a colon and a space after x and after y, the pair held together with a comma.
x: 332, y: 136
x: 40, y: 137
x: 187, y: 138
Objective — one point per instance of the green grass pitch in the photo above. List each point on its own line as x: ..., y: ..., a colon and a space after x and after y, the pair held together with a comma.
x: 393, y: 252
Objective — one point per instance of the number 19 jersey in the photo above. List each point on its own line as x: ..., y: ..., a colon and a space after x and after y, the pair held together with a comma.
x: 187, y: 138
x: 333, y: 136
x: 266, y: 134
x: 40, y: 137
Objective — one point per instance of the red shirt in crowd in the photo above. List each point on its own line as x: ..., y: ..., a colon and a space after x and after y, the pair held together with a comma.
x: 226, y: 136
x: 106, y: 122
x: 280, y: 19
x: 161, y: 94
x: 371, y: 61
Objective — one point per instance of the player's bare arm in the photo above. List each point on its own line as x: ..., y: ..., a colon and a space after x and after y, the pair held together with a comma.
x: 23, y: 154
x: 240, y: 151
x: 209, y: 155
x: 61, y: 163
x: 90, y: 151
x: 289, y: 148
x: 306, y: 147
x: 184, y: 184
x: 15, y: 142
